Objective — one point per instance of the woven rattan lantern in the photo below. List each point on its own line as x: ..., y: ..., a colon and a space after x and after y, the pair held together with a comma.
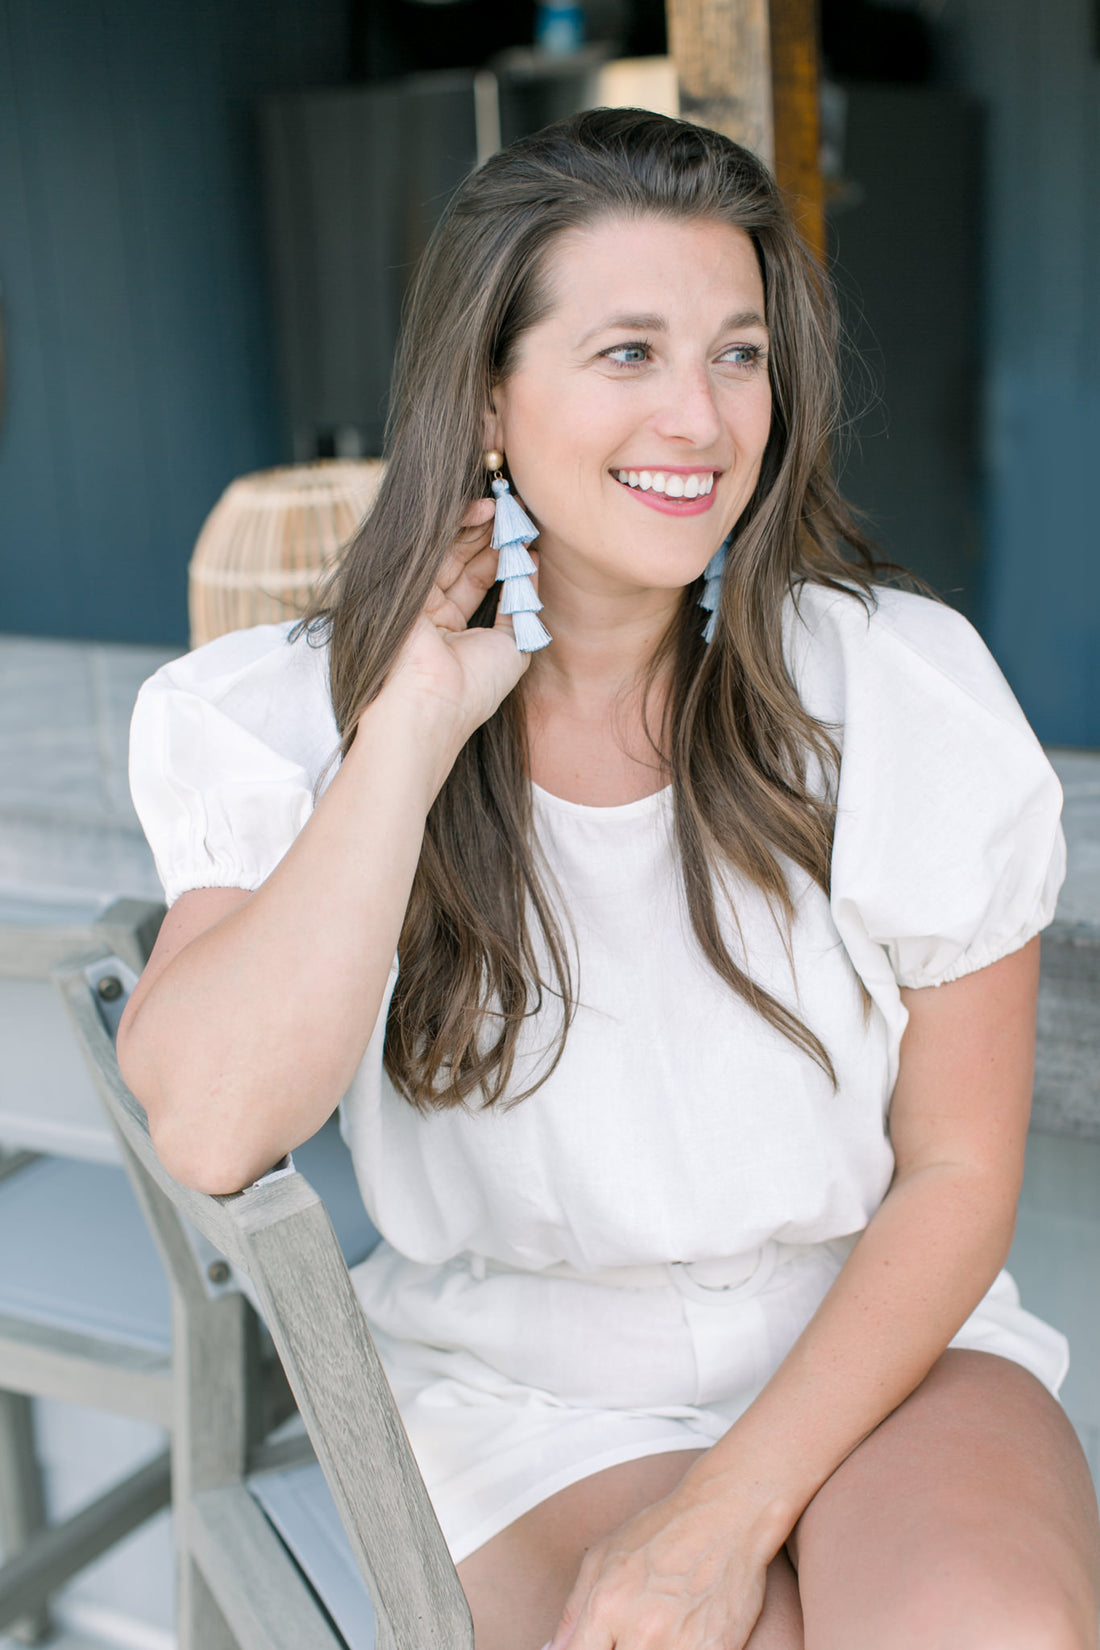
x: 270, y: 538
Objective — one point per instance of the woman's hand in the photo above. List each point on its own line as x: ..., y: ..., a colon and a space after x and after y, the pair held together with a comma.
x: 466, y: 673
x: 688, y: 1573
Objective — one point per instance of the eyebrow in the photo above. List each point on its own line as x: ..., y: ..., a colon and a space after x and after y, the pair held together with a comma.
x: 657, y: 323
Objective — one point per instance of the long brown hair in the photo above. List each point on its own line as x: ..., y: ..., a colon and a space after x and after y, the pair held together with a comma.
x: 739, y: 746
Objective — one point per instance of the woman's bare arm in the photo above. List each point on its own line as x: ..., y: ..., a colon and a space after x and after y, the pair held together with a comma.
x: 958, y: 1123
x: 255, y: 1010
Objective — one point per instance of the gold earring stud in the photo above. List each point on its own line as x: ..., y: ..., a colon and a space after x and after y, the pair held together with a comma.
x: 493, y: 460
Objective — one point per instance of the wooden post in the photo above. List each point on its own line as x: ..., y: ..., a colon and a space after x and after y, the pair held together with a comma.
x: 750, y: 69
x: 723, y: 65
x: 794, y: 49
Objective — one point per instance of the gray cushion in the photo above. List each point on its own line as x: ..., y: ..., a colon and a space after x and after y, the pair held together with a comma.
x: 75, y: 1253
x: 299, y: 1505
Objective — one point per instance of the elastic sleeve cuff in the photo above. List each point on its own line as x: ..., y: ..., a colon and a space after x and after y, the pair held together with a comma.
x: 982, y: 955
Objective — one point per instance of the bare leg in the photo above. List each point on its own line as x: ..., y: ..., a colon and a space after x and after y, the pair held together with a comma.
x: 517, y: 1584
x: 966, y: 1521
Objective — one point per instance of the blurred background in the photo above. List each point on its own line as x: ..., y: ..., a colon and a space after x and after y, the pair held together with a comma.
x: 209, y: 211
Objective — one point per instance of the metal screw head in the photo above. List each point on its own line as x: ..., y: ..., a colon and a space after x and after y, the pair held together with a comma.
x: 218, y: 1271
x: 110, y: 988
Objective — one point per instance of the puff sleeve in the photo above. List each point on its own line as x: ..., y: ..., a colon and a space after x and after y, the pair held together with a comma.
x: 948, y: 853
x: 227, y: 746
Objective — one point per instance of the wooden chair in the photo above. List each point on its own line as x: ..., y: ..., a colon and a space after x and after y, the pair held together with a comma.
x: 84, y: 1307
x: 239, y: 1589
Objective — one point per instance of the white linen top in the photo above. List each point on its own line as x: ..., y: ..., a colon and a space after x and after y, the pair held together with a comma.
x: 678, y: 1125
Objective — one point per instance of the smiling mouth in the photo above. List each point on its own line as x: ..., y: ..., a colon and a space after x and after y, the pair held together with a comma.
x: 668, y: 483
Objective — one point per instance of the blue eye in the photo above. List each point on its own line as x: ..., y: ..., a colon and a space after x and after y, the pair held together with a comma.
x: 627, y: 355
x: 743, y: 355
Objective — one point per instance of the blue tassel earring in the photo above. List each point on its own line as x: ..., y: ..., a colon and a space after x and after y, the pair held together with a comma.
x: 513, y: 531
x: 712, y: 587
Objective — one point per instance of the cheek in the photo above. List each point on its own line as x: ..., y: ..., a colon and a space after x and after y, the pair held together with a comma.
x: 755, y: 427
x: 556, y: 446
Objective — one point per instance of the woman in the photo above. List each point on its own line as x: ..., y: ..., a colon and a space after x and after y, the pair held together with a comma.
x: 694, y: 1117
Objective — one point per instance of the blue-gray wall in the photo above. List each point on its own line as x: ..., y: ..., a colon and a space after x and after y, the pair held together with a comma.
x: 140, y: 372
x: 140, y: 358
x: 1035, y: 65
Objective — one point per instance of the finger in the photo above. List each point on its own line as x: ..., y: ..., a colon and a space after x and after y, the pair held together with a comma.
x: 444, y: 613
x: 471, y: 585
x: 585, y: 1634
x: 472, y: 539
x: 574, y: 1604
x: 479, y: 512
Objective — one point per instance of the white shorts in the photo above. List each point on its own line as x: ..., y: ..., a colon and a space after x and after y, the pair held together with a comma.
x: 513, y: 1385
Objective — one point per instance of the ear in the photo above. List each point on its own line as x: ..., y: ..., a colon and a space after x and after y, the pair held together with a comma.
x: 492, y: 430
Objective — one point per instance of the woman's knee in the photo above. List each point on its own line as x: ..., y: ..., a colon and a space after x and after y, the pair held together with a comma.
x: 1041, y: 1616
x: 961, y: 1608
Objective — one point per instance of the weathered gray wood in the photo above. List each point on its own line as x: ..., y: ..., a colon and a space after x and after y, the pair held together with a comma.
x: 317, y: 1324
x: 1067, y: 1058
x: 22, y: 1508
x: 40, y: 1360
x: 279, y: 1235
x: 204, y: 1627
x: 266, y: 1603
x: 51, y: 1556
x: 216, y: 1392
x: 282, y: 1454
x: 47, y: 1362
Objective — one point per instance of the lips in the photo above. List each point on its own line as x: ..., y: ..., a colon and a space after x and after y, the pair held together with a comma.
x: 671, y: 492
x: 668, y: 483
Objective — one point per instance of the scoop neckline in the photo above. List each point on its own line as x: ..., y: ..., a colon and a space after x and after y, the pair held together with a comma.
x: 613, y: 810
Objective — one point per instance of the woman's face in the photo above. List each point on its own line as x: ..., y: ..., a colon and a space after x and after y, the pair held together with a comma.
x: 637, y: 413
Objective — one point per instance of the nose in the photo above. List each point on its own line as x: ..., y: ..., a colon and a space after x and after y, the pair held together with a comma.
x: 688, y: 412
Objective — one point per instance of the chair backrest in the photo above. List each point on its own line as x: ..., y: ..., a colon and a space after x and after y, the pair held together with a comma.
x: 278, y: 1234
x: 47, y: 1101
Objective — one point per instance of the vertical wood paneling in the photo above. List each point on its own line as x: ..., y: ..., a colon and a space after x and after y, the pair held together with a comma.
x: 141, y: 374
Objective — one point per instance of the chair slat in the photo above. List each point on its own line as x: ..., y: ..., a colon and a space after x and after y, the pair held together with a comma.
x: 239, y: 1554
x: 52, y: 1555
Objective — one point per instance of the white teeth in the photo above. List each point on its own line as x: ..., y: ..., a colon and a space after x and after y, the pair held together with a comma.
x: 669, y: 485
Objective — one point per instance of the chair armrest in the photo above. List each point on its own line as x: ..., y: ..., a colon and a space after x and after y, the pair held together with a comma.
x: 278, y: 1233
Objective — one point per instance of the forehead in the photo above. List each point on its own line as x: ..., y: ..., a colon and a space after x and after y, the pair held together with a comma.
x: 651, y: 264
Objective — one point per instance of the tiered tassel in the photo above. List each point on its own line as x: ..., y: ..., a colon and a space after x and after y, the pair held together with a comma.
x: 712, y: 588
x: 513, y: 531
